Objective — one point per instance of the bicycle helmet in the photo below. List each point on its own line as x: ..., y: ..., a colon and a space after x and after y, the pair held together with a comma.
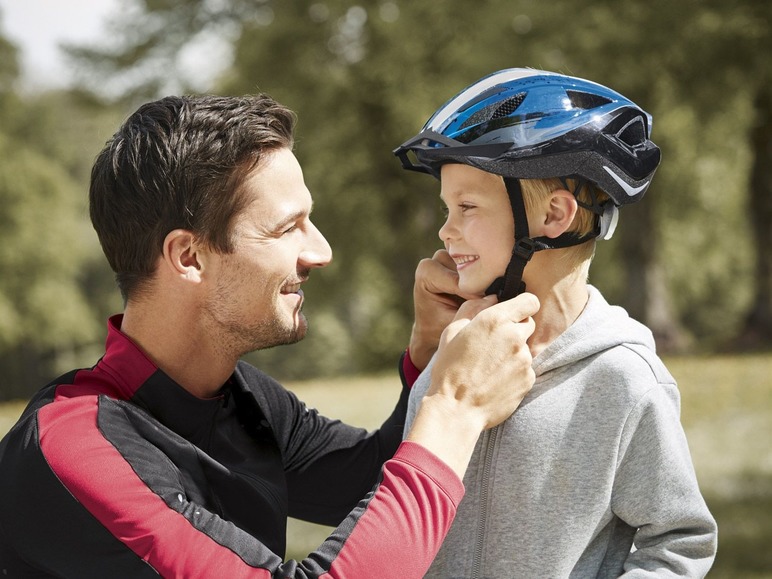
x: 522, y: 123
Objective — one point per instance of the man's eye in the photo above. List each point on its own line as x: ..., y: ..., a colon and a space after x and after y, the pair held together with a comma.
x: 466, y: 207
x: 290, y: 229
x: 445, y: 211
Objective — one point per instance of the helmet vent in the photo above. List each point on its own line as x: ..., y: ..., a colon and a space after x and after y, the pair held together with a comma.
x: 509, y: 106
x: 633, y: 134
x: 496, y: 110
x: 586, y: 100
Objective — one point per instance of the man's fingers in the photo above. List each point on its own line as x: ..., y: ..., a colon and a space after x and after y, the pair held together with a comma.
x: 443, y: 258
x: 487, y: 312
x: 517, y: 309
x: 470, y: 308
x: 436, y: 277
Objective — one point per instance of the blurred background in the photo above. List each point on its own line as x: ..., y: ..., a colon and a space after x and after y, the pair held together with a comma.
x: 692, y: 261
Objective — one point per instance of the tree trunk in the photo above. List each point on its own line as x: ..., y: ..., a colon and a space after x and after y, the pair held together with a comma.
x: 757, y: 330
x: 647, y: 298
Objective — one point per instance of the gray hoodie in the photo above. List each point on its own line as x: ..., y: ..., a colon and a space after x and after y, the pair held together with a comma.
x: 591, y: 477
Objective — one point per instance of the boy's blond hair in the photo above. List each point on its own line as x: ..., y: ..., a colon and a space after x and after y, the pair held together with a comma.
x: 537, y: 190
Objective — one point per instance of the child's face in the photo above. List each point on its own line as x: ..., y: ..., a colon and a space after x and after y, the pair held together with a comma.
x: 479, y: 230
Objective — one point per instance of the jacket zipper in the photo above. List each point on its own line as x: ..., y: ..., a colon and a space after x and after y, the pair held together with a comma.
x: 488, y: 447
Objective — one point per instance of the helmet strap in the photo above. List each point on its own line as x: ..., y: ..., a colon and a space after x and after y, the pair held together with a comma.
x: 607, y: 212
x: 606, y: 216
x: 511, y: 284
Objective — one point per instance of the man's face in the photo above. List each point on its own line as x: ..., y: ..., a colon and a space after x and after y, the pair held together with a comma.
x: 256, y: 299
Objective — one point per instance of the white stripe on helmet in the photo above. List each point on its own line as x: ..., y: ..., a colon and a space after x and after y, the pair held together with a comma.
x: 478, y: 88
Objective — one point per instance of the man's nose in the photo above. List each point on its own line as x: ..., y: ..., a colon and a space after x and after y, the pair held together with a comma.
x: 317, y: 252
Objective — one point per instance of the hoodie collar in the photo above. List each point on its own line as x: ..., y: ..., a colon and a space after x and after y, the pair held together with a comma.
x: 599, y: 327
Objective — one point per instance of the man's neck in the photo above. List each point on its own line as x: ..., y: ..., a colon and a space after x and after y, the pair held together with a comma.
x: 179, y: 347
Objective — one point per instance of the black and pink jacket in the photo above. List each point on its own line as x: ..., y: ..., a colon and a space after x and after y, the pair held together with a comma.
x: 117, y: 471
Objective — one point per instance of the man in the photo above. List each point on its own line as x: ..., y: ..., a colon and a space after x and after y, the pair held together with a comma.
x: 170, y: 456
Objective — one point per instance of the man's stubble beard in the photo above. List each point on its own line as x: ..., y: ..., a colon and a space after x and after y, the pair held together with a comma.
x: 240, y: 340
x: 237, y: 338
x: 274, y: 334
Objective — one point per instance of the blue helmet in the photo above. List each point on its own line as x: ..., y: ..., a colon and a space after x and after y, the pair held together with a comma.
x: 532, y: 124
x: 522, y: 123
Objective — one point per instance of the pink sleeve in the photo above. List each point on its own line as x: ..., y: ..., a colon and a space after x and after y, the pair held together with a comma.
x: 405, y: 521
x: 409, y: 371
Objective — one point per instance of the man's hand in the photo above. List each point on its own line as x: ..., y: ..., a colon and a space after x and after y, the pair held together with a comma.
x: 436, y: 301
x: 481, y: 374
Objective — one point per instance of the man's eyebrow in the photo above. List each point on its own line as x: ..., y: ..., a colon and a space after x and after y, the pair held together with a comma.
x: 292, y: 217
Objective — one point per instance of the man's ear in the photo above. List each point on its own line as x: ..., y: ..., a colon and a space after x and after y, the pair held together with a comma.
x: 560, y: 210
x: 183, y: 255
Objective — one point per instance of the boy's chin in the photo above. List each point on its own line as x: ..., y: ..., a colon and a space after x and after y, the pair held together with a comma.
x: 472, y: 290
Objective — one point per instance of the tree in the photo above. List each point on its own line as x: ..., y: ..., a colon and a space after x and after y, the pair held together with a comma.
x: 47, y: 248
x: 757, y: 330
x: 43, y: 313
x: 364, y: 77
x: 702, y: 68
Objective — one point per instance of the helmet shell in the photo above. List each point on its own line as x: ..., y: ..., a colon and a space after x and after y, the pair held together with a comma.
x: 532, y: 124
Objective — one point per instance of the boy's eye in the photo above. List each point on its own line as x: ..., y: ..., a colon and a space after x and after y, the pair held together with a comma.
x: 462, y: 207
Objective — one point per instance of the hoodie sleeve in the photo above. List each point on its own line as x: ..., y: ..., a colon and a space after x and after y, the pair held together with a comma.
x: 656, y: 492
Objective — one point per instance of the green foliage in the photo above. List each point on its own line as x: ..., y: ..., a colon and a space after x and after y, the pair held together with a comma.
x: 364, y: 77
x: 9, y: 68
x: 42, y: 249
x: 49, y: 258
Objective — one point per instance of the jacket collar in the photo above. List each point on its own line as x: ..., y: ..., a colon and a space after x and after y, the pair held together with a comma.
x: 136, y: 378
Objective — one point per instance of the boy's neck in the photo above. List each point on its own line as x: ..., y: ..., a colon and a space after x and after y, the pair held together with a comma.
x: 562, y: 302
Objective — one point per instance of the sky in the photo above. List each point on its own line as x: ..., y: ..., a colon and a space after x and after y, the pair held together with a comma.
x: 37, y: 26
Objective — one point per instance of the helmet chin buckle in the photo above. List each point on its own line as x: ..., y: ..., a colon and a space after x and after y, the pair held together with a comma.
x: 608, y: 220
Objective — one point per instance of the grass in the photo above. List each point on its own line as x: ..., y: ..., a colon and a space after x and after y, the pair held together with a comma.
x: 727, y: 415
x: 9, y: 414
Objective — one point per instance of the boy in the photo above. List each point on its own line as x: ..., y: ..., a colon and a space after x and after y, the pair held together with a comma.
x: 594, y: 477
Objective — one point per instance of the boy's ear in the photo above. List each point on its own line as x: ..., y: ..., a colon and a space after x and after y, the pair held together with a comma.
x: 183, y: 255
x: 559, y: 213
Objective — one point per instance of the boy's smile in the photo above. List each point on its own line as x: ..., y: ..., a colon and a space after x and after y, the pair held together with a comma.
x: 479, y: 230
x: 463, y: 260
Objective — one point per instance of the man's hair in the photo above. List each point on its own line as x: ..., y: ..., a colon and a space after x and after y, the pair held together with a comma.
x: 179, y: 163
x: 536, y: 190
